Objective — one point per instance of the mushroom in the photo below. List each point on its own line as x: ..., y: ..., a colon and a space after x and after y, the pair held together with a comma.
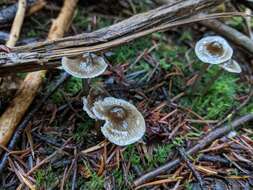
x: 124, y: 124
x: 84, y: 66
x: 94, y: 95
x: 216, y: 50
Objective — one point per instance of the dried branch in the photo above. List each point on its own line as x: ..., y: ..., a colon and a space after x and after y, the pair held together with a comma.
x: 5, y: 131
x: 172, y: 14
x: 17, y: 23
x: 195, y: 173
x: 204, y: 142
x: 25, y: 95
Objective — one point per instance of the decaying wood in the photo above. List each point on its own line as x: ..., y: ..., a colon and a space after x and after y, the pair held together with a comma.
x: 232, y: 34
x: 204, y: 142
x: 5, y: 131
x: 41, y: 55
x: 25, y: 95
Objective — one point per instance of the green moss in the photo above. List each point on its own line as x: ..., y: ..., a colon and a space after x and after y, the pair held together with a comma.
x: 45, y: 178
x: 220, y: 95
x: 132, y: 155
x: 171, y: 55
x: 129, y: 52
x: 96, y: 182
x: 220, y: 98
x: 81, y: 20
x: 247, y: 109
x: 188, y: 186
x: 58, y: 97
x: 160, y: 155
x: 82, y: 130
x: 236, y: 22
x: 120, y: 182
x: 32, y: 33
x: 186, y: 35
x: 71, y: 87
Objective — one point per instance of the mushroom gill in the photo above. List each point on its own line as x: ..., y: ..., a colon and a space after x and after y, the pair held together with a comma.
x: 124, y: 124
x: 84, y: 66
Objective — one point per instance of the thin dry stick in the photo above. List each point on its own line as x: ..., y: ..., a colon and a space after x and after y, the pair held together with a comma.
x: 25, y: 95
x: 6, y: 131
x: 195, y: 173
x: 39, y: 4
x: 47, y: 159
x: 50, y: 58
x: 171, y: 12
x: 108, y: 37
x: 204, y: 142
x: 17, y: 23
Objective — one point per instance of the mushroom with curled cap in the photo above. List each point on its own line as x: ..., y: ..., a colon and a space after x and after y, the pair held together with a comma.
x: 216, y: 50
x: 124, y: 124
x: 84, y: 66
x: 94, y: 95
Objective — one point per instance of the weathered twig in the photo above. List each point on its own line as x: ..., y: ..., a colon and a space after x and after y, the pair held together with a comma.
x: 214, y: 159
x: 160, y: 19
x: 6, y: 131
x: 37, y: 61
x: 232, y: 34
x: 195, y: 173
x: 205, y: 141
x: 28, y: 118
x: 171, y: 12
x: 25, y: 95
x: 17, y: 23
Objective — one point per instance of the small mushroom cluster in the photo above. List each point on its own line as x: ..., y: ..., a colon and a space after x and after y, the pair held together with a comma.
x: 216, y: 50
x: 124, y: 124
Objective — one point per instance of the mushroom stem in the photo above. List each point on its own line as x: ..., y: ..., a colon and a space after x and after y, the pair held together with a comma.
x: 85, y: 87
x: 199, y: 77
x: 211, y: 81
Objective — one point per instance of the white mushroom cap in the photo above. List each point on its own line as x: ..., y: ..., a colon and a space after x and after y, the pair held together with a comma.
x: 232, y: 66
x: 124, y: 124
x: 213, y: 50
x: 85, y: 66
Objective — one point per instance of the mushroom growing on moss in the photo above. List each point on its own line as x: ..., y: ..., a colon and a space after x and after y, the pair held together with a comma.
x: 124, y: 124
x: 216, y: 50
x: 84, y: 66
